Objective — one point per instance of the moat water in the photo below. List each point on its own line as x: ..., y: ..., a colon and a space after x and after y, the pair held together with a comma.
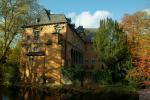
x: 16, y: 93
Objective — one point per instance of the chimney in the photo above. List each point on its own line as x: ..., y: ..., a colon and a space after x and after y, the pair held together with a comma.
x: 49, y: 12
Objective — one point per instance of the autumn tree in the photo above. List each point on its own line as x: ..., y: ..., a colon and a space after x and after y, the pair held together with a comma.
x: 137, y: 28
x: 111, y: 45
x: 13, y: 14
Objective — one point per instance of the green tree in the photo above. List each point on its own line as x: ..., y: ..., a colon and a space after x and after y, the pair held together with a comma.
x: 14, y: 56
x: 9, y: 72
x: 13, y: 14
x: 110, y: 43
x: 75, y: 74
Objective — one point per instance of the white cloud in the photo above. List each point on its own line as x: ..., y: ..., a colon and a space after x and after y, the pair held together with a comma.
x: 88, y: 20
x: 147, y: 11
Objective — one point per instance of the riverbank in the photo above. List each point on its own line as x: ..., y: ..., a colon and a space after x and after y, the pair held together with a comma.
x: 98, y: 89
x: 71, y: 92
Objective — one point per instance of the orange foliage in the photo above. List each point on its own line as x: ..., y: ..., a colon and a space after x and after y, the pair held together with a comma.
x: 139, y: 43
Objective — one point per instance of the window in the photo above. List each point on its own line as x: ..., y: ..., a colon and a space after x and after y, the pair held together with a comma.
x: 72, y: 57
x: 38, y: 20
x: 36, y: 35
x: 49, y: 42
x: 35, y: 49
x: 93, y: 61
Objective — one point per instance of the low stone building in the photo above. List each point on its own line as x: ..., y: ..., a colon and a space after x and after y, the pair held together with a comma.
x: 51, y: 42
x: 91, y: 59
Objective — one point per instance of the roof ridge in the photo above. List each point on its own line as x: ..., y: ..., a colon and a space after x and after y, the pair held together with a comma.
x: 57, y: 14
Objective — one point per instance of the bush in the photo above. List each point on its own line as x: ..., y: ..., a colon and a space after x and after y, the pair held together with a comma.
x: 102, y: 76
x: 9, y: 74
x: 77, y: 75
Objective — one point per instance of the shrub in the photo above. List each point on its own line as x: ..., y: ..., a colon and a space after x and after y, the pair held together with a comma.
x: 75, y: 74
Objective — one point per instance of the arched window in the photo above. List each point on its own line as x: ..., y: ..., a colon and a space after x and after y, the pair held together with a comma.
x: 72, y: 57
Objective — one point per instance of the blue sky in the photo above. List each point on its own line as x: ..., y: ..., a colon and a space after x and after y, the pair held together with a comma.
x: 90, y: 9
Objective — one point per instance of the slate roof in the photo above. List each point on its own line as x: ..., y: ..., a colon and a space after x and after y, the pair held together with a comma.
x: 90, y: 33
x: 45, y: 17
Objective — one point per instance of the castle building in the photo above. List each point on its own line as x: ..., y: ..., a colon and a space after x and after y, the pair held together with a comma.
x: 51, y: 42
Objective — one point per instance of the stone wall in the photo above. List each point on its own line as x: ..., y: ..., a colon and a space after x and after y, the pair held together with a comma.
x: 75, y: 43
x: 91, y: 59
x: 33, y: 67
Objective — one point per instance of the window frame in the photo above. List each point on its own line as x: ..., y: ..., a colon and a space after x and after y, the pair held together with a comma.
x: 36, y: 35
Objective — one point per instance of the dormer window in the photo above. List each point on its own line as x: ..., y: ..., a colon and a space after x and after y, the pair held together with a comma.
x: 37, y: 20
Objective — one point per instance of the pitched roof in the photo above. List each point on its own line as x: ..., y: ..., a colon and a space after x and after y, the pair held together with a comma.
x: 90, y: 33
x: 44, y: 17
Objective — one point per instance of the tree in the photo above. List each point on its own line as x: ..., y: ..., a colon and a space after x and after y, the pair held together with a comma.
x: 13, y: 14
x: 14, y: 56
x: 137, y: 26
x: 111, y: 45
x: 9, y: 72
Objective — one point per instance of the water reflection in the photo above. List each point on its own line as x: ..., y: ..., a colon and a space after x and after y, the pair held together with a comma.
x: 15, y: 93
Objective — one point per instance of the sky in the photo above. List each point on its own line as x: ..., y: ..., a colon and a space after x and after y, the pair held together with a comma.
x: 89, y: 12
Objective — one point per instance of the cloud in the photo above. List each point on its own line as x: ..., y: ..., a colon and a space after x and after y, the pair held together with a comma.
x: 88, y: 20
x: 147, y: 11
